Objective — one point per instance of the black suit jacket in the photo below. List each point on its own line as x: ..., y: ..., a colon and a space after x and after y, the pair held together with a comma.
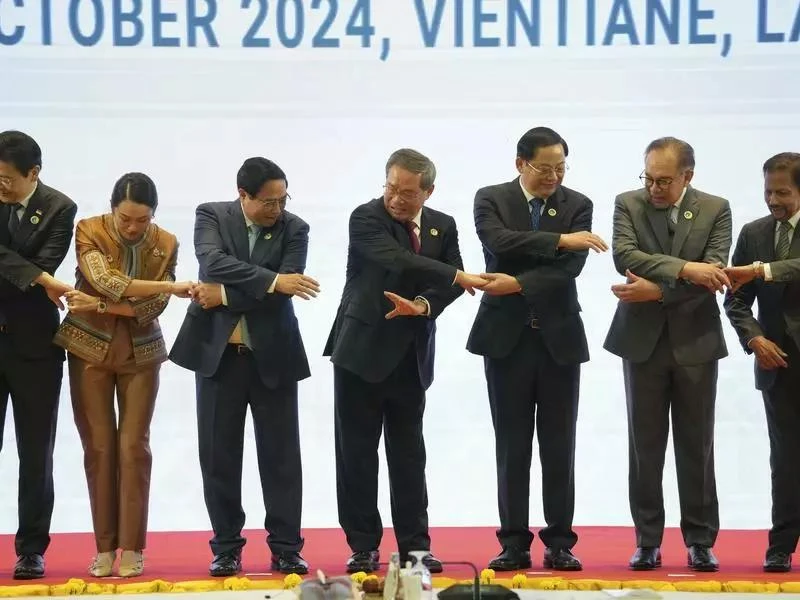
x: 778, y: 301
x: 380, y: 258
x: 546, y: 275
x: 222, y: 250
x: 40, y: 244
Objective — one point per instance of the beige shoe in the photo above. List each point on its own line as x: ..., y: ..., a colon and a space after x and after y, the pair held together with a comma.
x: 103, y: 564
x: 131, y: 563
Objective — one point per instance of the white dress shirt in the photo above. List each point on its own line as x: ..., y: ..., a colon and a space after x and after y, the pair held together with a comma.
x: 793, y: 222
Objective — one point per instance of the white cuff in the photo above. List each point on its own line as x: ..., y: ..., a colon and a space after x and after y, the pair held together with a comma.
x: 224, y: 295
x: 271, y: 289
x: 767, y: 272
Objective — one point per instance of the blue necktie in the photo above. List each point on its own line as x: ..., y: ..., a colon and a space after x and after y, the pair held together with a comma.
x: 536, y: 212
x: 253, y: 232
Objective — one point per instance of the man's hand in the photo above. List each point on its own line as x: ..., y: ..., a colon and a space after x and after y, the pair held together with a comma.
x: 637, y: 289
x: 54, y: 288
x: 500, y: 284
x: 182, y: 289
x: 404, y: 307
x: 739, y: 276
x: 79, y: 302
x: 710, y: 276
x: 297, y: 284
x: 207, y: 295
x: 470, y: 282
x: 768, y: 354
x: 582, y: 240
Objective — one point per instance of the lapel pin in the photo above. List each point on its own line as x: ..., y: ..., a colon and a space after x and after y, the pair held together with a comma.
x: 268, y: 236
x: 35, y: 220
x: 434, y: 232
x: 688, y: 215
x: 156, y: 252
x: 552, y: 212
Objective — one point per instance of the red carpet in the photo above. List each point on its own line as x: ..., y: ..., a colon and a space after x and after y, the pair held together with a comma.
x: 604, y: 551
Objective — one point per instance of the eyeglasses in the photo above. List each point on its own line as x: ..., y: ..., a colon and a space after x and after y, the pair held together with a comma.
x: 405, y: 195
x: 272, y: 203
x: 660, y: 183
x: 549, y: 170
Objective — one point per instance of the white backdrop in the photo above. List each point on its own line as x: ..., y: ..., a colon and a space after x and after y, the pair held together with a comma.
x: 722, y: 78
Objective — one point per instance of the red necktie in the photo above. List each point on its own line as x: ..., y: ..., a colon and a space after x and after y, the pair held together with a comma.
x: 412, y: 235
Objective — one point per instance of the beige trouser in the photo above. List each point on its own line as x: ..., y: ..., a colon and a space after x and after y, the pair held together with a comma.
x: 117, y: 457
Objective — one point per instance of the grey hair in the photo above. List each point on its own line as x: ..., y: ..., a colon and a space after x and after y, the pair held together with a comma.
x: 415, y: 162
x: 683, y: 149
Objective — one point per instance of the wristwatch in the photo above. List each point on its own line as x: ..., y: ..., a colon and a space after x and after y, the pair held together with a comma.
x: 758, y: 268
x: 102, y: 306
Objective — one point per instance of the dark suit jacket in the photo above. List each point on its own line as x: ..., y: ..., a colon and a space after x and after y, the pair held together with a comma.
x: 778, y: 300
x: 380, y: 258
x: 546, y: 275
x: 40, y: 244
x: 222, y: 250
x: 642, y: 244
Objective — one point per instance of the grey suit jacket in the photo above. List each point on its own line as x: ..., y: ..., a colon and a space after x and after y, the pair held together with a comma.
x: 778, y: 300
x: 642, y: 244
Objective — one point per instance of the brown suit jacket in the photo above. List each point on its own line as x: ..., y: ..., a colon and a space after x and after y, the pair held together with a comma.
x: 102, y: 260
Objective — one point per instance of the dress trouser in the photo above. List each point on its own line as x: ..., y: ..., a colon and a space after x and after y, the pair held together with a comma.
x: 116, y: 451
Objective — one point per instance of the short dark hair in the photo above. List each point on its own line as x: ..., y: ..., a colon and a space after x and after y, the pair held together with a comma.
x: 136, y: 187
x: 414, y: 162
x: 20, y: 150
x: 539, y: 137
x: 785, y: 161
x: 257, y: 171
x: 683, y: 149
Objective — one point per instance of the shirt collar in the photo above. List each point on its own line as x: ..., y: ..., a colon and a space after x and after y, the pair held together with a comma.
x: 677, y: 205
x: 417, y: 220
x: 792, y: 220
x: 24, y: 202
x: 528, y: 195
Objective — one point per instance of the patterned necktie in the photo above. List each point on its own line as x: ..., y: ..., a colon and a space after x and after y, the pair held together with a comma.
x: 536, y: 212
x: 411, y: 227
x: 13, y: 219
x: 252, y: 233
x: 782, y: 247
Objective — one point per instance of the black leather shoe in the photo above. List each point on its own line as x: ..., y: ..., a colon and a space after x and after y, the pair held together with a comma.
x: 433, y: 564
x: 561, y: 559
x: 645, y: 559
x: 511, y: 559
x: 363, y: 561
x: 702, y: 559
x: 777, y: 561
x: 226, y: 564
x: 29, y: 566
x: 289, y: 562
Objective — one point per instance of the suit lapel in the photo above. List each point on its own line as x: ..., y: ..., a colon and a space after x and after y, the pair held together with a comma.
x: 31, y: 219
x: 658, y: 222
x: 794, y: 249
x: 518, y: 209
x: 267, y: 239
x: 430, y: 235
x: 553, y: 213
x: 765, y: 242
x: 241, y: 242
x: 687, y: 215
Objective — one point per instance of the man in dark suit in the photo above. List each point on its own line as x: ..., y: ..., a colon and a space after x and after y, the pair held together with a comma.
x: 769, y: 250
x: 241, y: 339
x: 536, y: 235
x: 36, y: 224
x: 403, y: 269
x: 670, y: 242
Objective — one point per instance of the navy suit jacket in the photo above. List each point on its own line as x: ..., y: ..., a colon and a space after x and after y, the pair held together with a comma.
x: 380, y: 258
x: 778, y: 301
x: 40, y: 244
x: 546, y: 274
x: 222, y: 250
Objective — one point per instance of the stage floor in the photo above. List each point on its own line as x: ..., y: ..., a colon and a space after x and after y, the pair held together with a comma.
x: 176, y: 557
